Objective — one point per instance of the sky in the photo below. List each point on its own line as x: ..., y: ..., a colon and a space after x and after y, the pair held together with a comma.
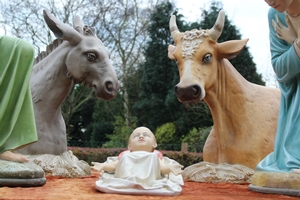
x: 250, y: 17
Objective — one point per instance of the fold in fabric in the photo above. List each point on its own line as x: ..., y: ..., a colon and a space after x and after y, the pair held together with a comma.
x: 16, y: 110
x: 139, y: 173
x: 286, y: 65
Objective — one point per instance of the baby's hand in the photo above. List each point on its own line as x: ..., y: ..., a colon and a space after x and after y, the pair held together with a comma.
x: 97, y: 166
x: 176, y: 169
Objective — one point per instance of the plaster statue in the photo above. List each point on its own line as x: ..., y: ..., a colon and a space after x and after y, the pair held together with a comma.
x: 277, y: 172
x: 244, y: 114
x: 78, y: 56
x: 140, y: 170
x: 16, y: 113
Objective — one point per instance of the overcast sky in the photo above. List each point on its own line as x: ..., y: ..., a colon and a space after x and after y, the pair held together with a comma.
x: 250, y: 17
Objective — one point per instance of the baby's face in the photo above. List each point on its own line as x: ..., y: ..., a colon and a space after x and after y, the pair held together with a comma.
x: 142, y: 139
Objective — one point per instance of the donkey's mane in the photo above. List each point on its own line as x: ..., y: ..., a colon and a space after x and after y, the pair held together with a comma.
x: 87, y: 30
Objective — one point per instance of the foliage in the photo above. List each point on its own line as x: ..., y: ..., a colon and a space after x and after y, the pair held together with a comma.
x: 196, y: 139
x: 95, y: 154
x: 165, y: 133
x: 165, y: 137
x: 80, y: 102
x: 103, y: 119
x: 126, y: 24
x: 121, y: 134
x: 158, y: 74
x: 184, y: 158
x: 99, y: 132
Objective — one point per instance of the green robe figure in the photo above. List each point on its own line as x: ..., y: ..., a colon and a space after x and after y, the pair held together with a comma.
x: 16, y: 109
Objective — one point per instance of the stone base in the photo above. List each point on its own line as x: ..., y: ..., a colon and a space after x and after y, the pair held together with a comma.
x: 34, y: 182
x: 14, y: 174
x: 286, y: 183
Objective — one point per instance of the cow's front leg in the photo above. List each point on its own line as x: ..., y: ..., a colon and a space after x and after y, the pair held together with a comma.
x: 210, y: 149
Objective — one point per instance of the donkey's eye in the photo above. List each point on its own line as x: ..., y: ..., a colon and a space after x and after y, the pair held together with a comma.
x: 207, y: 57
x: 91, y: 56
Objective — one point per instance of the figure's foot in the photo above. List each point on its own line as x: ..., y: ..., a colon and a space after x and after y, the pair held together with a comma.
x: 10, y: 156
x: 296, y: 170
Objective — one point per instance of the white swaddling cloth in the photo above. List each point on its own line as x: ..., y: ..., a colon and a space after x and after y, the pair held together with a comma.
x: 139, y: 173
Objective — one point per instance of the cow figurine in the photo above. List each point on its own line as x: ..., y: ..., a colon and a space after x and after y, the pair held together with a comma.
x: 244, y: 114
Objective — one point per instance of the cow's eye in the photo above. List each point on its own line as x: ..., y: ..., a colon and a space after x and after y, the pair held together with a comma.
x: 207, y: 57
x: 91, y: 56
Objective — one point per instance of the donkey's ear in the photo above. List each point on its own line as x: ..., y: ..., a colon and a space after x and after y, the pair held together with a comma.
x: 77, y: 24
x: 61, y: 30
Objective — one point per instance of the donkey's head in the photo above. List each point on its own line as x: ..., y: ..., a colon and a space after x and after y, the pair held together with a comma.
x: 87, y: 60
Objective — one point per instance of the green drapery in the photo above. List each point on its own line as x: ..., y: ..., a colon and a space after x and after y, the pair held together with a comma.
x: 17, y: 123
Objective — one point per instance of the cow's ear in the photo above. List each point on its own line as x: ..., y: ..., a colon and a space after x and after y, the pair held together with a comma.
x: 171, y: 50
x: 230, y: 49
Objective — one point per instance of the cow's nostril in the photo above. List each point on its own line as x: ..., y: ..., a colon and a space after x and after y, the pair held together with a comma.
x: 197, y: 90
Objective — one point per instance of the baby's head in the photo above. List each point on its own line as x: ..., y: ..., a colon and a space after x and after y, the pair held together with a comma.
x: 142, y: 139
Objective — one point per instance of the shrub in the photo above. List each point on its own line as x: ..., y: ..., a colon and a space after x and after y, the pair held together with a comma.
x: 165, y: 136
x: 197, y: 137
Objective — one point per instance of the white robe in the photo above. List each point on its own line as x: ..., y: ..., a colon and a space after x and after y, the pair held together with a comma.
x: 139, y: 173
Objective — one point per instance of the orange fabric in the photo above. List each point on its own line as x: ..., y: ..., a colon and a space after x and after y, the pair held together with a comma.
x: 84, y: 188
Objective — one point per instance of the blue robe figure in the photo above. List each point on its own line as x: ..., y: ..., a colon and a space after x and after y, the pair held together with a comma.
x: 286, y: 64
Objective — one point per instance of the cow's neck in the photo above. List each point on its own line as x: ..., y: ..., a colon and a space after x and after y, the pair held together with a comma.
x: 226, y: 100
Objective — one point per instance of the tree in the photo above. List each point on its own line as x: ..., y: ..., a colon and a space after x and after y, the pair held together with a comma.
x: 128, y: 35
x: 159, y: 75
x: 103, y: 120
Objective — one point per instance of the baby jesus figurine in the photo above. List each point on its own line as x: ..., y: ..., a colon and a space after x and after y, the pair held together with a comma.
x: 140, y: 170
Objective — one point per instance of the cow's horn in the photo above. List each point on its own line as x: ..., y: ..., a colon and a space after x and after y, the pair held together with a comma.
x: 173, y: 27
x: 216, y: 30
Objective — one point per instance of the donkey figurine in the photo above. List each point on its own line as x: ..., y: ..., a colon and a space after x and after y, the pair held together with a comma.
x: 77, y: 56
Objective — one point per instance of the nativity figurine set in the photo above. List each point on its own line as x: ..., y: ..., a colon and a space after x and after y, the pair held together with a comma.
x: 255, y: 132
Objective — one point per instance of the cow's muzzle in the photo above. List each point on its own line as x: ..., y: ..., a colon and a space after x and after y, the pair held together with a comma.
x: 189, y: 93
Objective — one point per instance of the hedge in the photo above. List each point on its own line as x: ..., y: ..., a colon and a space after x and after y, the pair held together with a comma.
x: 100, y: 155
